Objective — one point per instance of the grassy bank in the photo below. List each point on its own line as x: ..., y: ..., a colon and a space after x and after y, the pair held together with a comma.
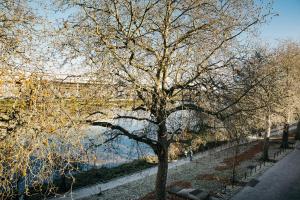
x: 104, y: 174
x: 91, y: 177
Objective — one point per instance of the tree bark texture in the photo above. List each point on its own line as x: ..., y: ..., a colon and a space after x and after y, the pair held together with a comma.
x: 162, y: 172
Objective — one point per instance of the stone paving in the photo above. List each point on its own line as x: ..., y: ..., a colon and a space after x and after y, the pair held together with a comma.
x: 280, y: 182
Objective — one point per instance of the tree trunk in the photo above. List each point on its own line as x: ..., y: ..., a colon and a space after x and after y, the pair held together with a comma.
x: 63, y: 185
x: 285, y: 137
x: 161, y: 176
x: 21, y: 187
x: 297, y: 134
x: 265, y: 155
x: 236, y: 152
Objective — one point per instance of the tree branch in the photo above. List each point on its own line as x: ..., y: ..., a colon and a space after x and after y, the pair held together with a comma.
x: 190, y: 106
x: 123, y: 131
x: 135, y: 118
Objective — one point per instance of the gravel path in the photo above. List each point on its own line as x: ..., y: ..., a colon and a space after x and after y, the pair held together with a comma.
x: 136, y: 177
x: 139, y: 184
x: 188, y: 172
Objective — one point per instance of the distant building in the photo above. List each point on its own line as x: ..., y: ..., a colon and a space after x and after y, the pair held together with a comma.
x: 69, y: 86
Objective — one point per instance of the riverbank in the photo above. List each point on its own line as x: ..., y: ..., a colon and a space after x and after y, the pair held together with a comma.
x: 105, y: 174
x: 203, y: 173
x: 102, y: 187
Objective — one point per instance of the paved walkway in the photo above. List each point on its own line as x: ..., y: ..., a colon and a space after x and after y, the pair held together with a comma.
x: 97, y: 188
x: 281, y: 182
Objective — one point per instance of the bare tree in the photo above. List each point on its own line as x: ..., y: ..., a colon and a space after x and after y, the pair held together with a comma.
x: 287, y: 57
x: 40, y: 135
x: 39, y: 130
x: 15, y: 23
x: 268, y: 93
x: 160, y: 51
x: 237, y: 128
x: 277, y: 92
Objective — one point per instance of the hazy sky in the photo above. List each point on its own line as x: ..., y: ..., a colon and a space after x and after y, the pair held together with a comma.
x: 284, y: 26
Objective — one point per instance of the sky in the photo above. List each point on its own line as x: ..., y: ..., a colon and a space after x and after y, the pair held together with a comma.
x: 284, y: 26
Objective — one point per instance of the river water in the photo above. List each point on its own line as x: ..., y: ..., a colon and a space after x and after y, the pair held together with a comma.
x: 124, y: 149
